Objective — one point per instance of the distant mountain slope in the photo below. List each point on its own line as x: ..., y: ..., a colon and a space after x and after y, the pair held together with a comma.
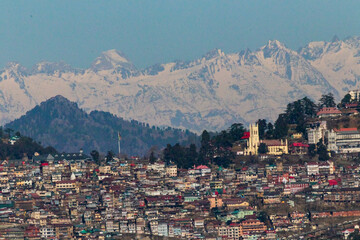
x: 61, y: 124
x: 338, y: 61
x: 211, y: 92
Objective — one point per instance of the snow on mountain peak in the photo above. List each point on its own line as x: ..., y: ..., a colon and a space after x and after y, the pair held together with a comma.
x: 111, y: 59
x: 276, y: 50
x: 214, y: 53
x: 16, y: 68
x: 116, y: 56
x: 275, y: 44
x: 313, y: 50
x: 52, y: 67
x: 13, y: 65
x: 232, y: 85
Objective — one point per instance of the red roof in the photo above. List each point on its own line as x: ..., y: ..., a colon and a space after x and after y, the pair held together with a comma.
x: 312, y: 163
x: 328, y: 110
x: 299, y: 145
x: 246, y: 135
x: 351, y: 105
x: 333, y: 182
x: 45, y: 164
x: 234, y: 224
x: 345, y: 129
x: 202, y: 167
x: 350, y: 111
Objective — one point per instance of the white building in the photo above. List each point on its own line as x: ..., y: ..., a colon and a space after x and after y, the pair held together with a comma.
x: 163, y: 229
x: 355, y: 94
x: 317, y: 133
x: 312, y: 168
x: 47, y: 232
x: 344, y: 140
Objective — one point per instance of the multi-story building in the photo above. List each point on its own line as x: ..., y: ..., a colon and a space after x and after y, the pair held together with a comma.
x: 47, y: 231
x: 316, y: 133
x: 66, y: 184
x: 163, y: 229
x: 355, y: 94
x: 253, y: 226
x: 63, y: 231
x: 215, y: 202
x: 232, y: 231
x: 344, y: 140
x: 276, y: 147
x: 312, y: 168
x: 171, y: 171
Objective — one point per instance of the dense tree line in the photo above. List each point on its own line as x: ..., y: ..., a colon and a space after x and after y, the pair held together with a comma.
x: 299, y: 112
x: 24, y: 146
x: 183, y: 157
x: 215, y: 149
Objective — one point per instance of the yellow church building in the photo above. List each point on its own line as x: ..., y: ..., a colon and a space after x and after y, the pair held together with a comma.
x: 275, y: 147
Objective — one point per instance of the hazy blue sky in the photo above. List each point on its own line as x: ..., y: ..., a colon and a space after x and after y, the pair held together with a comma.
x: 152, y: 31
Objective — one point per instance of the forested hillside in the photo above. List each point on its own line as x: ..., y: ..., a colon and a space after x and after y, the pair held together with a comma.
x: 60, y: 123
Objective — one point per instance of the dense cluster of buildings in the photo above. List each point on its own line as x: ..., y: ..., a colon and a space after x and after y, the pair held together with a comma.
x: 343, y: 140
x: 68, y: 196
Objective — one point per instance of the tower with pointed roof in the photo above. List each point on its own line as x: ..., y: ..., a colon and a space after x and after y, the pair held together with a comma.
x: 254, y: 140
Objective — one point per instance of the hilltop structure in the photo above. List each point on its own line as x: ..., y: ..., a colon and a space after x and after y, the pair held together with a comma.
x: 355, y: 94
x: 275, y: 147
x: 253, y: 141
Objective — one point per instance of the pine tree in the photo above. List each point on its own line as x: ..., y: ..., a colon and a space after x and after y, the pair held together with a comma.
x: 263, y: 148
x: 95, y: 156
x: 281, y: 127
x: 262, y: 127
x: 327, y: 100
x: 152, y: 157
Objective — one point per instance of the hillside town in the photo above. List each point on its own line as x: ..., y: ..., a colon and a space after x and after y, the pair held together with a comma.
x: 303, y: 185
x: 68, y: 196
x: 179, y: 120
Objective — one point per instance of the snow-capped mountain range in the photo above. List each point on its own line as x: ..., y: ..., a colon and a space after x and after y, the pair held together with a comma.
x: 211, y: 92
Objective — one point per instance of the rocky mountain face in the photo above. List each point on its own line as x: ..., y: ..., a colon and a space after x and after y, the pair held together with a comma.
x: 211, y: 92
x: 338, y: 61
x: 60, y: 123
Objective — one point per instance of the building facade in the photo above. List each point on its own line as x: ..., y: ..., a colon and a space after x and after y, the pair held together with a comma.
x: 253, y: 141
x: 316, y: 133
x: 344, y: 140
x: 355, y: 94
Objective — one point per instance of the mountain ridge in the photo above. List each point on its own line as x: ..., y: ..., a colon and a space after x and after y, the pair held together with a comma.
x: 210, y: 92
x: 60, y: 123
